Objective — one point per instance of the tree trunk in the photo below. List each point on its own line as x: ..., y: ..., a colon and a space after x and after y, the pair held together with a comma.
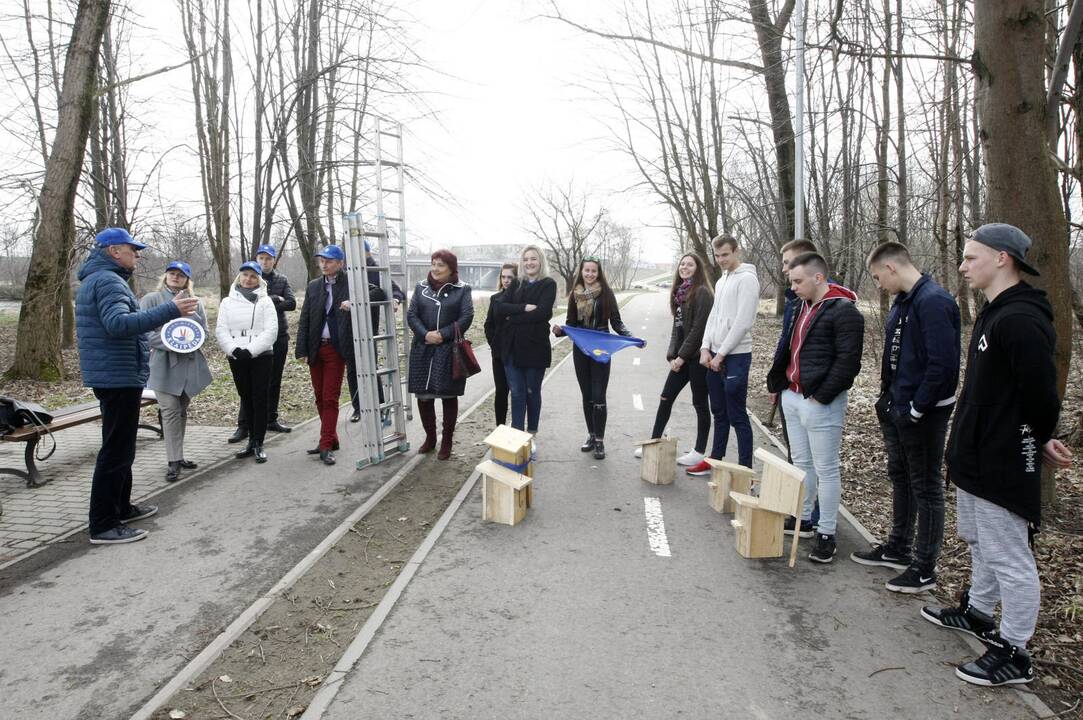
x: 1009, y: 52
x: 38, y: 342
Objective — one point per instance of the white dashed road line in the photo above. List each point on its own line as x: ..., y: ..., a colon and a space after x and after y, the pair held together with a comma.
x: 656, y: 527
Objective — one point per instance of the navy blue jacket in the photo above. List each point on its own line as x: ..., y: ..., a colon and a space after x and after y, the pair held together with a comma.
x: 789, y: 312
x: 927, y: 366
x: 110, y: 327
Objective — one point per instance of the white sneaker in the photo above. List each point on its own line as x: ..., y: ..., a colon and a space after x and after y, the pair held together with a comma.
x: 639, y: 453
x: 690, y: 458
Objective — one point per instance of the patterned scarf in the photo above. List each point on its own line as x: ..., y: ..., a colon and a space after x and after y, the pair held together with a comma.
x: 682, y: 292
x: 585, y: 297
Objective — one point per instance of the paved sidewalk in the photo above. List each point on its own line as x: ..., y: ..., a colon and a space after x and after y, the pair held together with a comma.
x: 34, y: 517
x: 572, y: 615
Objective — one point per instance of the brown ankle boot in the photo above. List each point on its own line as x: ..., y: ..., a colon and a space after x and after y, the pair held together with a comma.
x: 451, y: 415
x: 426, y: 409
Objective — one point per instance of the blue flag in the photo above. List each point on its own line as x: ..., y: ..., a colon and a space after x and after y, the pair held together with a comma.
x: 598, y: 345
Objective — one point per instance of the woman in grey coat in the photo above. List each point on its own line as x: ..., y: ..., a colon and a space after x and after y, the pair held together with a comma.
x: 175, y: 377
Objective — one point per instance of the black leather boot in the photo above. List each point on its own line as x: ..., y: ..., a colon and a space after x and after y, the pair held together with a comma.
x: 599, y: 449
x: 589, y: 444
x: 239, y: 434
x: 261, y: 456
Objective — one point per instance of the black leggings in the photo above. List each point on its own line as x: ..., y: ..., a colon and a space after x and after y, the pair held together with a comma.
x: 690, y: 372
x: 593, y: 380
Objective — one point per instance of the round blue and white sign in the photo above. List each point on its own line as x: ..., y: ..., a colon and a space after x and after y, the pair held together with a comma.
x: 183, y: 335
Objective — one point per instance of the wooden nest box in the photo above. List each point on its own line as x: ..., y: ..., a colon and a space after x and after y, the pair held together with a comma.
x: 758, y: 521
x: 504, y: 493
x: 659, y: 461
x: 726, y: 478
x: 511, y: 447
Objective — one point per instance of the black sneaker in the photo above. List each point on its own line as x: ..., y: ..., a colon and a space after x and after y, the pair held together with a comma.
x: 1002, y: 664
x: 912, y: 581
x: 962, y: 618
x: 807, y: 530
x: 118, y: 535
x: 139, y: 512
x: 882, y: 556
x: 824, y: 552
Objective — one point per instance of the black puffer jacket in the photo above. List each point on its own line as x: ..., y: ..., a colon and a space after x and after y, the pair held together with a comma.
x: 524, y: 336
x: 281, y: 294
x: 606, y: 314
x: 685, y: 340
x: 430, y: 365
x: 310, y: 323
x: 1009, y: 405
x: 830, y: 356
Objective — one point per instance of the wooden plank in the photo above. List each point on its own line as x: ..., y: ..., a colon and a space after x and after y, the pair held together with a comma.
x: 508, y: 439
x: 503, y: 475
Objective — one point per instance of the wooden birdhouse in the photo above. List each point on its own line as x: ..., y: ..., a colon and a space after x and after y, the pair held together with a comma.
x: 659, y: 461
x: 503, y: 493
x: 511, y: 447
x: 726, y: 478
x: 758, y: 532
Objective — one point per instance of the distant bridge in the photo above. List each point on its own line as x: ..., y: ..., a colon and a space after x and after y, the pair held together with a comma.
x: 478, y: 274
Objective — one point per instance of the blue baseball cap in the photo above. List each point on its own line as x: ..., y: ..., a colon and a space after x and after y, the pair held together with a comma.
x: 116, y: 236
x: 182, y: 266
x: 253, y: 266
x: 269, y: 249
x: 332, y: 252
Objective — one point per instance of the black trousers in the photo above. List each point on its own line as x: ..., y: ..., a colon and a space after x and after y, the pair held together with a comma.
x: 915, y: 454
x: 593, y: 380
x: 252, y: 378
x: 696, y: 374
x: 111, y: 487
x: 500, y: 400
x: 274, y: 388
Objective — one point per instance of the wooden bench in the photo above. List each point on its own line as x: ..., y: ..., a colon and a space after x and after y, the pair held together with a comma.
x: 63, y: 419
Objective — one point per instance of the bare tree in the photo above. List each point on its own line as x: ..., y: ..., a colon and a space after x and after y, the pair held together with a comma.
x: 564, y: 221
x: 38, y: 343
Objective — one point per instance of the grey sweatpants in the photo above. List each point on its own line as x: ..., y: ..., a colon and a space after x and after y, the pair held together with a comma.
x: 1002, y: 566
x: 174, y: 422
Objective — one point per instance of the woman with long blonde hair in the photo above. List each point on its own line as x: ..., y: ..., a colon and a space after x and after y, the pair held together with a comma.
x: 522, y: 317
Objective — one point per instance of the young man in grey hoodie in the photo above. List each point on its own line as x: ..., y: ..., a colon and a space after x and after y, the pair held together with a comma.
x: 727, y: 351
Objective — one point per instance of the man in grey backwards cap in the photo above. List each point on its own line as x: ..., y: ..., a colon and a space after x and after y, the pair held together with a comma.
x: 1001, y: 435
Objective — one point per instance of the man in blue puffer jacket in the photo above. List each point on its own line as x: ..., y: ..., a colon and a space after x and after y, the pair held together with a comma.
x: 115, y: 363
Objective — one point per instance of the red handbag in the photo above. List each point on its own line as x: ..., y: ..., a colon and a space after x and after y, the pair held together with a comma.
x: 463, y: 361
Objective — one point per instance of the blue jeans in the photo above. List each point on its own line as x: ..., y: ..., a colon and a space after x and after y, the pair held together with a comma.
x: 525, y: 385
x: 815, y: 432
x: 728, y: 390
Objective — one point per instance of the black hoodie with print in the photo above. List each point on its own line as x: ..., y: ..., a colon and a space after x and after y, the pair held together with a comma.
x: 1009, y: 405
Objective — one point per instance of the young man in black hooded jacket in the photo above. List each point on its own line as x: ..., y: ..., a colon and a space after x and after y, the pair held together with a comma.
x: 1001, y: 434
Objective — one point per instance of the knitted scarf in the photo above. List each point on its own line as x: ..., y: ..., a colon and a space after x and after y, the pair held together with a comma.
x: 249, y: 295
x: 681, y: 293
x: 585, y: 297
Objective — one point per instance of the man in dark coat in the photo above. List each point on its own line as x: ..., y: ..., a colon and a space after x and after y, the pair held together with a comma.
x: 324, y: 341
x: 1001, y: 435
x: 281, y: 294
x: 919, y: 373
x: 114, y: 359
x: 817, y: 367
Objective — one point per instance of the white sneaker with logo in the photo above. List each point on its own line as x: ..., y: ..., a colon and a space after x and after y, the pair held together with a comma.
x: 690, y: 458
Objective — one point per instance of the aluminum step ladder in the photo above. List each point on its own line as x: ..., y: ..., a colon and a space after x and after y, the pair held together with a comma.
x: 379, y: 366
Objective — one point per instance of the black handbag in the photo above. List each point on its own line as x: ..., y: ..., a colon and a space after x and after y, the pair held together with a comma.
x: 15, y: 414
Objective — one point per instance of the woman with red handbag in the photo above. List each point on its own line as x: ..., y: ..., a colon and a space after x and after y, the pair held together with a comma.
x: 441, y: 310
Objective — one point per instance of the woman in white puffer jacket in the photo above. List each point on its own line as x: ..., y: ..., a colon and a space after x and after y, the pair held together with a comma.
x: 246, y: 331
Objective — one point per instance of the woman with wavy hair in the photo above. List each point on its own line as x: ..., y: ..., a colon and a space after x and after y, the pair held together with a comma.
x: 508, y: 273
x: 592, y: 305
x: 690, y: 301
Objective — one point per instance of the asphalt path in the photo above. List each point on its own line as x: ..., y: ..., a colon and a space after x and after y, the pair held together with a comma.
x: 92, y: 631
x: 577, y: 613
